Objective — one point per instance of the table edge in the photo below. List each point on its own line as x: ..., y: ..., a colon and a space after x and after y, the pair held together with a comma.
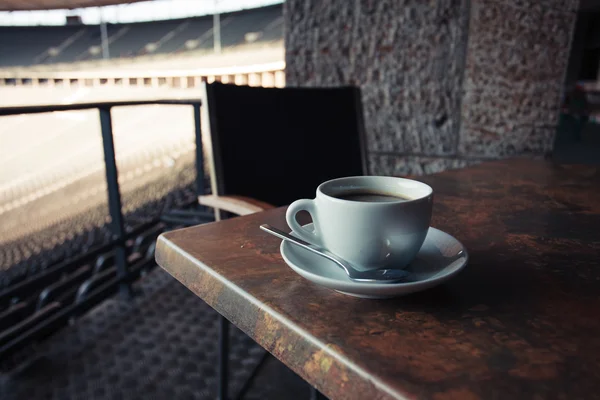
x: 315, y: 344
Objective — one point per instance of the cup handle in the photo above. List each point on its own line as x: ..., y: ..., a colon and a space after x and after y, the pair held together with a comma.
x: 303, y: 233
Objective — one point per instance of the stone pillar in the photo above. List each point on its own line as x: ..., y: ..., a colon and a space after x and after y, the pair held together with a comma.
x: 444, y: 83
x: 516, y: 64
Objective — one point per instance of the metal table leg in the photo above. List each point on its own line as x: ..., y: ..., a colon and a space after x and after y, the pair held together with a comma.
x: 316, y: 395
x: 223, y: 384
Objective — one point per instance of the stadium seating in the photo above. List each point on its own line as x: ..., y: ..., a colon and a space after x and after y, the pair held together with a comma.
x: 30, y: 301
x: 24, y: 46
x: 28, y: 274
x: 64, y: 290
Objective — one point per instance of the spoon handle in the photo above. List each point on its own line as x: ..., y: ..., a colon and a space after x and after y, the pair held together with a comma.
x: 299, y: 242
x: 377, y: 276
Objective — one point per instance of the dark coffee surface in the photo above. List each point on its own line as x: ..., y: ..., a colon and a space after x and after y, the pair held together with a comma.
x: 370, y: 197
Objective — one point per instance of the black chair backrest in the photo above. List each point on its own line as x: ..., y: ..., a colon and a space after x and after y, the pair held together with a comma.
x: 278, y: 145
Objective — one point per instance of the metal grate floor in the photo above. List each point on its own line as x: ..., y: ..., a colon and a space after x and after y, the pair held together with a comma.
x: 161, y: 345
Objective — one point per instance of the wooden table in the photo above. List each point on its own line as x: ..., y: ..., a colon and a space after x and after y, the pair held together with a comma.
x: 521, y: 321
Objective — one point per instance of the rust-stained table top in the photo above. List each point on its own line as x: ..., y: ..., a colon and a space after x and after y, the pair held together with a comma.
x: 521, y: 321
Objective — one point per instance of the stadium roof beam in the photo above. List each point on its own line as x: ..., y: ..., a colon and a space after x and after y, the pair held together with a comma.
x: 28, y: 5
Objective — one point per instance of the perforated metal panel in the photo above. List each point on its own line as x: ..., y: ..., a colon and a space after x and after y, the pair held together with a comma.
x: 162, y: 345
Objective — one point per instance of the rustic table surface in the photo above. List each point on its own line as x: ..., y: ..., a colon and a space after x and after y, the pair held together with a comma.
x: 521, y: 321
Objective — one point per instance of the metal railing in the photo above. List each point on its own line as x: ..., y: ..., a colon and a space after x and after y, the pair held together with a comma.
x: 57, y: 316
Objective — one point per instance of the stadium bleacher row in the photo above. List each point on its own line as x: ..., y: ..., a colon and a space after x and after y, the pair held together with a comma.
x: 33, y: 45
x: 25, y: 257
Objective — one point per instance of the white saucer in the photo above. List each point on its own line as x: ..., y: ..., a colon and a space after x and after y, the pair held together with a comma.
x: 440, y: 258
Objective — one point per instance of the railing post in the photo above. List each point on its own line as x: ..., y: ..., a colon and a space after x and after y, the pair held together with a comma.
x: 199, y: 153
x: 114, y: 199
x: 223, y: 371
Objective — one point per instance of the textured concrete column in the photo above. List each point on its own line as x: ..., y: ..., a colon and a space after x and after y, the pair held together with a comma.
x: 407, y: 57
x: 516, y: 64
x: 437, y: 91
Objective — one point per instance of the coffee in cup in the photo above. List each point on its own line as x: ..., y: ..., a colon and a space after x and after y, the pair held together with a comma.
x: 370, y: 196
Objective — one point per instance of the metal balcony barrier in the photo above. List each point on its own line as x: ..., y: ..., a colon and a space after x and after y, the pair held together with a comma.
x: 52, y: 314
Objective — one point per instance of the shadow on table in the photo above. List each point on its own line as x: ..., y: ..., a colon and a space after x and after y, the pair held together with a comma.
x: 493, y: 283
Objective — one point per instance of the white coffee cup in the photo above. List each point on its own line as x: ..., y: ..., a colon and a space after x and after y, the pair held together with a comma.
x: 369, y: 234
